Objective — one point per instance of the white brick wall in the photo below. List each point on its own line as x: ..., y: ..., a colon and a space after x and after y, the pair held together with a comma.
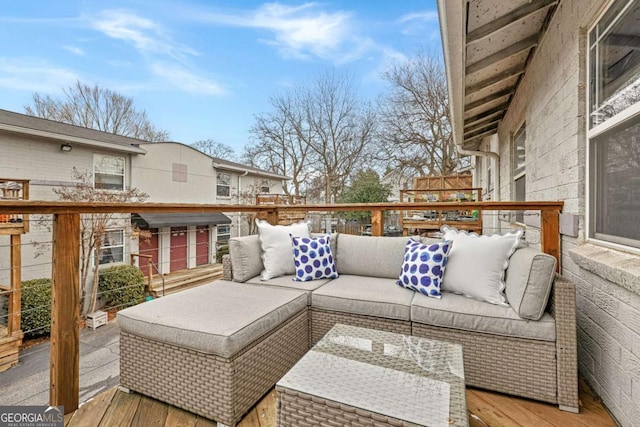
x: 551, y: 99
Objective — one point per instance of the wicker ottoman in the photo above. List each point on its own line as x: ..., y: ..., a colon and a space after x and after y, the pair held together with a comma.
x: 214, y: 350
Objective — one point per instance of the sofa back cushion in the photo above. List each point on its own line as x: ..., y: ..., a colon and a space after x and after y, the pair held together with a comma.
x: 370, y: 256
x: 246, y: 259
x: 529, y: 278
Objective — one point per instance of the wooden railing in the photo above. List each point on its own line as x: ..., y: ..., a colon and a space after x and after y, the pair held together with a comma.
x: 14, y: 189
x: 65, y: 343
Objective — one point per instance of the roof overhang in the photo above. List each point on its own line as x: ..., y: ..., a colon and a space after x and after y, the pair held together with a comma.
x: 488, y: 45
x: 74, y: 139
x: 152, y: 220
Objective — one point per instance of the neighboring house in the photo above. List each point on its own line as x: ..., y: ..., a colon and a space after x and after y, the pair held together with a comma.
x: 545, y: 94
x: 172, y: 172
x: 398, y: 181
x: 45, y: 153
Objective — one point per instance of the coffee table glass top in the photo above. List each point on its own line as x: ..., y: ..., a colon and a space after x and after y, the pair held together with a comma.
x: 409, y: 378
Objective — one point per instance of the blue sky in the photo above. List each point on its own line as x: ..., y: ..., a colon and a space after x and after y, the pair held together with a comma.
x: 203, y: 69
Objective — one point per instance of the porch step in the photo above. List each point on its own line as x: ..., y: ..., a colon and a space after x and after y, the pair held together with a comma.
x: 186, y: 279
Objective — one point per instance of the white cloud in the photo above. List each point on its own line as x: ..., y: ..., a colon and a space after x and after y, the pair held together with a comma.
x: 424, y: 23
x: 301, y: 31
x: 34, y: 75
x: 429, y: 15
x: 74, y: 49
x: 144, y: 34
x: 186, y: 80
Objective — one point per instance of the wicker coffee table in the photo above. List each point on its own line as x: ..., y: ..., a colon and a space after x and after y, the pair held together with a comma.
x: 357, y: 376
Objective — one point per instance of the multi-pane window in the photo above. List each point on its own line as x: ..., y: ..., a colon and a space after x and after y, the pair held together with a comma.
x: 223, y: 184
x: 224, y: 232
x: 112, y: 249
x: 614, y: 125
x: 108, y: 172
x: 265, y: 186
x: 519, y: 162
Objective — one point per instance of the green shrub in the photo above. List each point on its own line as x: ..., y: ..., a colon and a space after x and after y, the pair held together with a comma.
x: 36, y: 307
x: 121, y: 286
x: 220, y: 251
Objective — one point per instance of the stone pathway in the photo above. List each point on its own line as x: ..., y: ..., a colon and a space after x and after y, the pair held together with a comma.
x: 28, y: 383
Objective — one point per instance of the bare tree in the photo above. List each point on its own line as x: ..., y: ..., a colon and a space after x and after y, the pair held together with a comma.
x: 318, y: 135
x: 97, y: 108
x: 93, y: 227
x: 277, y: 146
x: 214, y: 148
x: 415, y: 125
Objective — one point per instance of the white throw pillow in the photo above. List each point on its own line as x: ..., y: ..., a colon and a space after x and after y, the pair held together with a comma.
x: 277, y: 252
x: 477, y: 264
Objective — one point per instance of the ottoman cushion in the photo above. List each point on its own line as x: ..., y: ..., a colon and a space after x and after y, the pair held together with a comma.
x: 219, y: 318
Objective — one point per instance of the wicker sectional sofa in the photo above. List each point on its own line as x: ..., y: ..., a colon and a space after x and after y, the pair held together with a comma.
x: 503, y: 351
x: 215, y: 350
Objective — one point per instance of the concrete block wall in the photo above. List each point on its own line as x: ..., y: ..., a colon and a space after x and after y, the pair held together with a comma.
x: 551, y: 99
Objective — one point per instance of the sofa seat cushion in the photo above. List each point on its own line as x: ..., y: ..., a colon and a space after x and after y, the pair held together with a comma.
x: 288, y: 282
x: 459, y: 312
x: 219, y: 318
x: 370, y: 296
x: 370, y: 256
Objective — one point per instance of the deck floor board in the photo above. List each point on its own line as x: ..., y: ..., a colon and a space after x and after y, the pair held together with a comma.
x: 117, y: 408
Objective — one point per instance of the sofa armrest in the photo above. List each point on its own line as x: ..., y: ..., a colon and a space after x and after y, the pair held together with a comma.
x: 227, y: 268
x: 563, y: 309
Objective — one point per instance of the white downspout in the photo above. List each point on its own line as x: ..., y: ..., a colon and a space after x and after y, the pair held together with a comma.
x: 496, y: 170
x: 239, y: 216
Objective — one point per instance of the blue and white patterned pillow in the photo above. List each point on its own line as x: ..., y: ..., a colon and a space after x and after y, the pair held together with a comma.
x: 424, y: 266
x: 313, y: 259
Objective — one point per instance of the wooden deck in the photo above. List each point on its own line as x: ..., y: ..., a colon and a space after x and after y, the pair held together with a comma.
x: 116, y: 408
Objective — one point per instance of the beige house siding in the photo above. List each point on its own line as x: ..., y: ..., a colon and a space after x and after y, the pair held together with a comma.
x: 551, y: 100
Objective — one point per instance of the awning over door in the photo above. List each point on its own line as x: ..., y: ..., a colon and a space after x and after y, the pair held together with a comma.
x: 177, y: 220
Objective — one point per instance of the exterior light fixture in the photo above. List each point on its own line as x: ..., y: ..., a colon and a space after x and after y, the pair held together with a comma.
x: 66, y: 147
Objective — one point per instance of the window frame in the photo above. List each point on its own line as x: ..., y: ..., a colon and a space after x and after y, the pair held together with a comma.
x: 519, y: 171
x: 109, y: 247
x: 219, y: 185
x: 97, y: 156
x: 265, y: 183
x: 226, y: 234
x: 615, y: 123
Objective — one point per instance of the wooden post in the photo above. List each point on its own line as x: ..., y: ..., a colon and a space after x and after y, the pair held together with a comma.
x: 13, y: 323
x: 550, y: 235
x: 377, y: 228
x: 272, y: 217
x: 65, y: 312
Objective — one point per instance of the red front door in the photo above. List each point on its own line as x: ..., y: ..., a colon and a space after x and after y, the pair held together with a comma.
x: 149, y: 246
x: 202, y: 244
x: 178, y: 248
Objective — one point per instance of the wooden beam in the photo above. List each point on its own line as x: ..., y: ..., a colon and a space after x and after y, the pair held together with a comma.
x: 377, y: 224
x: 497, y: 115
x: 550, y: 232
x: 477, y: 128
x: 65, y: 312
x: 495, y: 79
x: 13, y: 323
x: 272, y: 217
x: 481, y: 116
x: 481, y: 135
x: 511, y: 17
x: 505, y: 53
x: 490, y: 98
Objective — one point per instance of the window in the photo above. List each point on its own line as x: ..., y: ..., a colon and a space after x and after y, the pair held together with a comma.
x: 519, y: 161
x: 224, y: 232
x: 108, y: 172
x: 112, y: 249
x: 265, y: 186
x: 614, y: 125
x: 223, y: 187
